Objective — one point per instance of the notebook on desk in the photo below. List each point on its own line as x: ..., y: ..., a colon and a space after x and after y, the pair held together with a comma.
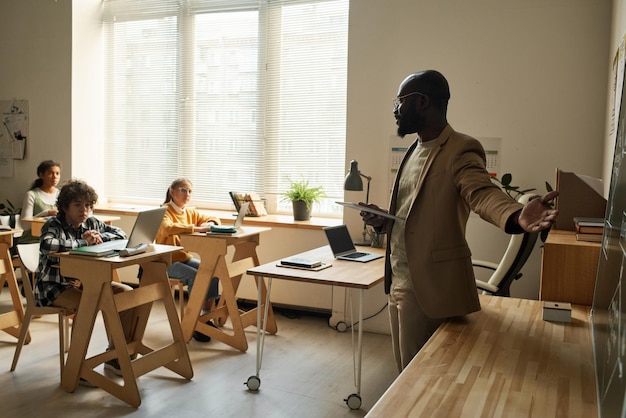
x: 143, y: 233
x: 232, y: 229
x: 343, y: 247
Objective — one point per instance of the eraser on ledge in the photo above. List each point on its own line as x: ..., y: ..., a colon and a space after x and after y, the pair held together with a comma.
x: 557, y: 311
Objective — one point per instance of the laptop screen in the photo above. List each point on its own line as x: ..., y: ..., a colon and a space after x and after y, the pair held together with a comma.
x: 146, y: 226
x: 339, y: 239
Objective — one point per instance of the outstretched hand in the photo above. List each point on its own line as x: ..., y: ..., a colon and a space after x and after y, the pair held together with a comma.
x: 536, y: 215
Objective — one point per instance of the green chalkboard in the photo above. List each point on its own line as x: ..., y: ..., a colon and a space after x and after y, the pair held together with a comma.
x: 609, y: 303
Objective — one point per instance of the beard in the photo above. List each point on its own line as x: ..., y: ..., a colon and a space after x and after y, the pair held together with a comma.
x: 408, y: 125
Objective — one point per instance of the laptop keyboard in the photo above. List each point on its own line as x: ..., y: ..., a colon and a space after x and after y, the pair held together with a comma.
x: 355, y: 255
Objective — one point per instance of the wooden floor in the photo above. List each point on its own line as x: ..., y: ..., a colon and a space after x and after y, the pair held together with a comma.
x: 307, y: 371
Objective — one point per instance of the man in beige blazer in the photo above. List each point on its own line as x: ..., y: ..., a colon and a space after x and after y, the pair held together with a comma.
x: 428, y: 268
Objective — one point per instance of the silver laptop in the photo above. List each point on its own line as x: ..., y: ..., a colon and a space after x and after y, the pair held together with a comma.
x: 343, y: 247
x: 231, y: 229
x: 144, y: 232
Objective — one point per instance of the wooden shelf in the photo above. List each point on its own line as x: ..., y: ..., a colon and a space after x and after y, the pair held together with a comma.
x: 569, y: 268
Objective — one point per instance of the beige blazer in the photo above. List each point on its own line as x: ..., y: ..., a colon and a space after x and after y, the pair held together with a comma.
x: 453, y: 182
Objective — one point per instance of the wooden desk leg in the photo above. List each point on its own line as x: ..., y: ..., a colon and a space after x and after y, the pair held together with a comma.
x: 82, y: 328
x: 230, y: 277
x: 228, y: 303
x: 157, y: 273
x: 245, y: 250
x: 129, y: 391
x: 213, y: 264
x: 198, y: 293
x: 11, y: 322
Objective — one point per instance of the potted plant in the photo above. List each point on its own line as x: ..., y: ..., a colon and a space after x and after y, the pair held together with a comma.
x: 302, y: 196
x: 11, y: 212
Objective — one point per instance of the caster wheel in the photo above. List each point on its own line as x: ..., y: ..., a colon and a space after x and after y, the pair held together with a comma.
x: 342, y: 326
x: 253, y: 383
x: 353, y: 401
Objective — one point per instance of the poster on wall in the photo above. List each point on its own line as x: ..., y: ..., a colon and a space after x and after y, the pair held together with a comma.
x: 13, y: 134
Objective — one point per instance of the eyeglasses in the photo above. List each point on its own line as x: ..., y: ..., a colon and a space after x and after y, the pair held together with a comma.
x: 184, y: 191
x: 397, y: 102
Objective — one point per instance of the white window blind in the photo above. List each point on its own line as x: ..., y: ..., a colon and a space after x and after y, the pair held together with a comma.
x: 236, y: 95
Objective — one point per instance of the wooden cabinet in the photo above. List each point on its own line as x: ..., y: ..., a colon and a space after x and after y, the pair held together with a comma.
x: 568, y: 268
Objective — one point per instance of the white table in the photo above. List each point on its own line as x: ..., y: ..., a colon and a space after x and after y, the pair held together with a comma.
x: 349, y: 274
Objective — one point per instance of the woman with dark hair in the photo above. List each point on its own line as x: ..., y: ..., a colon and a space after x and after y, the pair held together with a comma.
x: 179, y: 219
x: 41, y: 199
x: 73, y: 227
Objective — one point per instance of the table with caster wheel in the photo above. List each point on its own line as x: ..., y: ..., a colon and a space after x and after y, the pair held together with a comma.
x: 348, y: 274
x: 213, y: 251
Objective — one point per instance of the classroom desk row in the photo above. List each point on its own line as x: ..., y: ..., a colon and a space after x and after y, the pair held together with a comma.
x: 135, y: 357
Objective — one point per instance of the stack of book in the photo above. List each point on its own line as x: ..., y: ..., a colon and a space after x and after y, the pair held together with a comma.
x: 589, y: 229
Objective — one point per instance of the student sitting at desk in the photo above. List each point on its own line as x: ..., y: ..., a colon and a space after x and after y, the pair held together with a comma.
x: 41, y: 199
x: 179, y: 219
x: 74, y: 227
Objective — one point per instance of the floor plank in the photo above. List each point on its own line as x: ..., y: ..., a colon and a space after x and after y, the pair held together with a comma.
x: 307, y: 371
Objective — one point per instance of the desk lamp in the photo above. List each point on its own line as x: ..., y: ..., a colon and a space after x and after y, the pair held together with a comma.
x: 353, y: 182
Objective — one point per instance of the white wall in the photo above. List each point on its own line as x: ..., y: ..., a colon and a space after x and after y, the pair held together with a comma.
x: 533, y: 73
x: 35, y: 40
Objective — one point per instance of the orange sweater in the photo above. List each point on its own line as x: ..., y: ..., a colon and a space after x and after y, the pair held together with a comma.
x: 175, y: 223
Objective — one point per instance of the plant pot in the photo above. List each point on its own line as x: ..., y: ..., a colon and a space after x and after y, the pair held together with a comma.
x: 300, y: 211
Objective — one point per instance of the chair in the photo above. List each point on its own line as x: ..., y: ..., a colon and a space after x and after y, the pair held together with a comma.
x: 178, y: 285
x: 508, y: 269
x: 29, y: 257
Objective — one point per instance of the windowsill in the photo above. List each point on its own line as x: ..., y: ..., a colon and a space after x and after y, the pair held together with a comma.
x: 228, y: 217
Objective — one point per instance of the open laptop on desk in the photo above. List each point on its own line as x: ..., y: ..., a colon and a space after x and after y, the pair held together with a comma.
x: 231, y: 229
x: 343, y: 247
x: 143, y: 233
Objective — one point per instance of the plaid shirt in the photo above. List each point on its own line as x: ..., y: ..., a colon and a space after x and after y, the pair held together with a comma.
x: 59, y: 236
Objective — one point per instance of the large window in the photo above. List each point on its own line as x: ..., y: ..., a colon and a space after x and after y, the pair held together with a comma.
x: 237, y: 95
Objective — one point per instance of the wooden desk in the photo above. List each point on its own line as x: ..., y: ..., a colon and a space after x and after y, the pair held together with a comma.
x: 96, y: 275
x: 10, y: 322
x: 349, y: 274
x: 504, y: 360
x: 212, y: 250
x: 569, y: 268
x: 37, y: 222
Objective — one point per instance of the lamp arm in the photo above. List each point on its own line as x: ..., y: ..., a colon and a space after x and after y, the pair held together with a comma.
x: 367, y: 194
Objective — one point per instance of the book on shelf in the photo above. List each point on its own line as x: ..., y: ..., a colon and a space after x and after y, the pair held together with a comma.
x: 256, y: 205
x: 589, y: 237
x: 586, y: 221
x: 589, y: 229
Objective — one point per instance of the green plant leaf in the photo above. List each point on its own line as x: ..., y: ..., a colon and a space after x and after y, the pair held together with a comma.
x: 301, y: 190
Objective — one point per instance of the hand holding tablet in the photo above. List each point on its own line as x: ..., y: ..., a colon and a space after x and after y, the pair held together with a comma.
x: 370, y: 210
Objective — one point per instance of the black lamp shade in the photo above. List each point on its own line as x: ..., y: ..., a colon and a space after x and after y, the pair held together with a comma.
x: 353, y: 179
